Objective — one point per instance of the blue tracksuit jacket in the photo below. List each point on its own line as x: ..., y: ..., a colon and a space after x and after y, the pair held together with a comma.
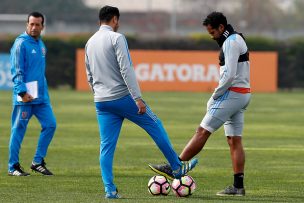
x: 28, y: 64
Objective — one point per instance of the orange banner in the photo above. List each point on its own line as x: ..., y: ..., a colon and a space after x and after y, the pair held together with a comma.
x: 196, y: 71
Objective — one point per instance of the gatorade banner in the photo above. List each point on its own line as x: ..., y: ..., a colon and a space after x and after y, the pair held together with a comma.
x: 196, y: 71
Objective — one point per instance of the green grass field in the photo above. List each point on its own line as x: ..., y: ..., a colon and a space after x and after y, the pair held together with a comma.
x: 273, y: 140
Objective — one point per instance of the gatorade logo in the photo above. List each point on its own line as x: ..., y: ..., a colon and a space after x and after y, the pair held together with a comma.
x: 177, y: 72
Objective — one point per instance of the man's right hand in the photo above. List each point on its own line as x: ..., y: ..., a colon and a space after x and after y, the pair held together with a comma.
x: 27, y: 98
x: 141, y: 106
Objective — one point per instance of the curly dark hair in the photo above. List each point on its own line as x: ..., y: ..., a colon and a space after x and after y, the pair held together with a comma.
x: 214, y: 19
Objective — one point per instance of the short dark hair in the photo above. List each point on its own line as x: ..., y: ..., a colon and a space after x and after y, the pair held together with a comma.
x: 36, y: 15
x: 106, y: 13
x: 214, y: 19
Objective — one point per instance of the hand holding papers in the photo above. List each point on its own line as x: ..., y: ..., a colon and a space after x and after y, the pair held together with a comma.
x: 31, y: 89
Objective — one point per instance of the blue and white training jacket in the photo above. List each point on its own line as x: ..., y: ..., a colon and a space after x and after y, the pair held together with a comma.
x: 27, y: 65
x: 109, y: 68
x: 234, y: 63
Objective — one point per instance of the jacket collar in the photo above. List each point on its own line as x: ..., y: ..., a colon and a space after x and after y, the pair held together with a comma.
x: 228, y: 31
x: 29, y: 37
x: 106, y: 27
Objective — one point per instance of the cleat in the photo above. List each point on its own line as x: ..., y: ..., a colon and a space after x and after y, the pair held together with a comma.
x: 113, y: 195
x: 41, y: 168
x: 185, y: 168
x: 232, y: 191
x: 162, y: 169
x: 165, y: 169
x: 18, y: 171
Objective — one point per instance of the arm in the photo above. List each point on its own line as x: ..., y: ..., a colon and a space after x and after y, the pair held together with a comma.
x: 88, y: 71
x: 17, y: 70
x: 128, y: 73
x: 228, y: 71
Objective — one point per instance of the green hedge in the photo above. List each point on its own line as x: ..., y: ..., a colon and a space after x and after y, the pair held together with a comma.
x: 61, y: 54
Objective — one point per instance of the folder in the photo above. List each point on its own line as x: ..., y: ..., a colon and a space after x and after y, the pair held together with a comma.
x: 32, y: 89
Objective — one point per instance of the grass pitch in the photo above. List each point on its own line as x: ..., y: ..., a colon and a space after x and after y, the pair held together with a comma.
x: 273, y: 140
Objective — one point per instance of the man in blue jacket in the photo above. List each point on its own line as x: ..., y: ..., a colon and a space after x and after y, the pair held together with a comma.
x: 30, y: 96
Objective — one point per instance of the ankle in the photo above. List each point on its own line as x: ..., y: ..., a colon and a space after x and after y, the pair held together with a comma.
x: 238, y: 180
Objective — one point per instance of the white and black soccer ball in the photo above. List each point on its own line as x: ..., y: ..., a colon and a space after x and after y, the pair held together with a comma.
x: 183, y: 187
x: 159, y: 185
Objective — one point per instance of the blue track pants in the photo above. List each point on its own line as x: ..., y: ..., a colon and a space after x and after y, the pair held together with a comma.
x: 20, y: 117
x: 110, y: 116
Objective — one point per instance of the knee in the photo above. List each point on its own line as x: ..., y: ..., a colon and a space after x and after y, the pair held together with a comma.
x: 234, y: 142
x: 229, y: 141
x: 202, y: 132
x: 20, y: 125
x: 51, y: 126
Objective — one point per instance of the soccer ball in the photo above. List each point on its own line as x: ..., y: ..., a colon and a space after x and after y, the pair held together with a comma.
x: 159, y: 185
x: 183, y: 187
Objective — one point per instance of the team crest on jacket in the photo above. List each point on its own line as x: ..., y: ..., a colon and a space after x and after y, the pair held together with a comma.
x: 43, y: 51
x: 24, y: 115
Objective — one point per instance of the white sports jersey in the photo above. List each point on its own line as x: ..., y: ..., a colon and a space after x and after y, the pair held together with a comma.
x: 233, y: 73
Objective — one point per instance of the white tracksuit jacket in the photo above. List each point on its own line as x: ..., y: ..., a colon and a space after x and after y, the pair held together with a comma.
x: 109, y: 67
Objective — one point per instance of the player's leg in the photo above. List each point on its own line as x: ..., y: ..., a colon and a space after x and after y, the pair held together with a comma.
x: 209, y: 124
x: 154, y: 127
x: 237, y: 153
x: 20, y: 118
x: 109, y: 128
x: 233, y: 131
x: 214, y: 119
x: 196, y: 144
x: 47, y: 120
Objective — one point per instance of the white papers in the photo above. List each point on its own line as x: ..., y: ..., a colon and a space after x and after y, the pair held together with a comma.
x: 32, y: 89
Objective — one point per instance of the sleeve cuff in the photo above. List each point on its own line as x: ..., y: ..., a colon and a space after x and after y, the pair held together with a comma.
x: 21, y: 94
